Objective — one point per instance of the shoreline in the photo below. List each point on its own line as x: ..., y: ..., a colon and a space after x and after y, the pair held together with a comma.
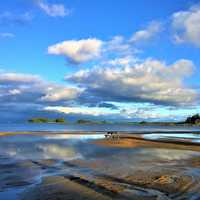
x: 126, y: 140
x: 14, y: 133
x: 136, y: 141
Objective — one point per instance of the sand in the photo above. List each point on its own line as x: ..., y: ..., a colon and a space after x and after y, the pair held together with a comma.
x: 88, y: 179
x: 15, y: 133
x: 140, y: 142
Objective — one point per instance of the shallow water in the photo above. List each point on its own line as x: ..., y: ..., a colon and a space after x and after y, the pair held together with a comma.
x: 58, y: 146
x: 19, y: 155
x: 195, y: 138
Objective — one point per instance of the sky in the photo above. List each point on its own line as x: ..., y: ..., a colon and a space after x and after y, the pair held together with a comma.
x: 110, y: 60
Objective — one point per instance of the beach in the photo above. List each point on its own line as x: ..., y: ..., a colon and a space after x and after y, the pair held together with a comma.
x: 44, y: 165
x: 136, y: 141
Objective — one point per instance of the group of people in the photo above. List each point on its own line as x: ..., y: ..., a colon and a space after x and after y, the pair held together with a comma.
x: 112, y: 135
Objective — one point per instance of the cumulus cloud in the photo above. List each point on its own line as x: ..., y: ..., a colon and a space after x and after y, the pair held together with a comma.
x: 58, y: 93
x: 117, y: 50
x: 186, y: 26
x: 81, y: 110
x: 151, y: 81
x: 122, y: 61
x: 77, y: 51
x: 14, y: 91
x: 147, y: 113
x: 8, y: 78
x: 53, y: 10
x: 146, y: 34
x: 22, y: 92
x: 118, y: 44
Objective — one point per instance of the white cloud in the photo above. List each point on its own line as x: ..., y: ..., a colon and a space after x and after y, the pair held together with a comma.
x: 118, y: 44
x: 32, y: 88
x: 146, y: 34
x: 58, y: 93
x: 18, y: 77
x: 151, y: 81
x: 11, y: 18
x: 14, y: 92
x: 186, y: 26
x: 6, y: 35
x: 81, y: 110
x: 77, y: 51
x: 122, y: 61
x: 141, y: 114
x: 53, y: 10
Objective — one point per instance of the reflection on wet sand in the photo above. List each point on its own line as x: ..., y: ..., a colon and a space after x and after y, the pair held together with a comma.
x: 55, y: 151
x: 73, y: 167
x: 75, y: 136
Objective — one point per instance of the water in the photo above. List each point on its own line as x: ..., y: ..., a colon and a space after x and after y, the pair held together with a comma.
x: 19, y: 153
x: 195, y: 138
x: 91, y: 127
x: 58, y: 146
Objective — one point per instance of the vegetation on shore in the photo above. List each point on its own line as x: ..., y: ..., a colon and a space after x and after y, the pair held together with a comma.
x: 83, y: 121
x: 62, y: 120
x: 194, y: 120
x: 46, y: 120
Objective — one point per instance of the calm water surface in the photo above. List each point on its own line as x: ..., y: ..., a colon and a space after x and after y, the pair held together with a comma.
x: 195, y: 138
x: 91, y: 127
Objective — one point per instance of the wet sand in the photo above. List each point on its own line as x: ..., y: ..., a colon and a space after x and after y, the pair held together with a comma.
x: 158, y: 183
x: 137, y: 141
x: 106, y: 175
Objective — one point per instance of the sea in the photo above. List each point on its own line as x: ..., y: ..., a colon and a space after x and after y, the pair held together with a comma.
x: 12, y: 127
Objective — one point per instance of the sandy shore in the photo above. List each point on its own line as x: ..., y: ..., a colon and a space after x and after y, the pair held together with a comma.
x: 137, y: 141
x: 104, y: 179
x: 158, y: 183
x: 15, y: 133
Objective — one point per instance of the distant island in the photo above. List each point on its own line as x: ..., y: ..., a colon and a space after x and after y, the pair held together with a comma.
x: 83, y: 121
x: 62, y: 120
x: 192, y: 120
x: 47, y: 120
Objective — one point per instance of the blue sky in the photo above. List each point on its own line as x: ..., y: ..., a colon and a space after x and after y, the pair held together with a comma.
x: 115, y: 60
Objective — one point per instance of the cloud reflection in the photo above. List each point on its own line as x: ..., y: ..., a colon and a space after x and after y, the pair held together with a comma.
x: 167, y: 154
x: 57, y: 152
x: 75, y: 136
